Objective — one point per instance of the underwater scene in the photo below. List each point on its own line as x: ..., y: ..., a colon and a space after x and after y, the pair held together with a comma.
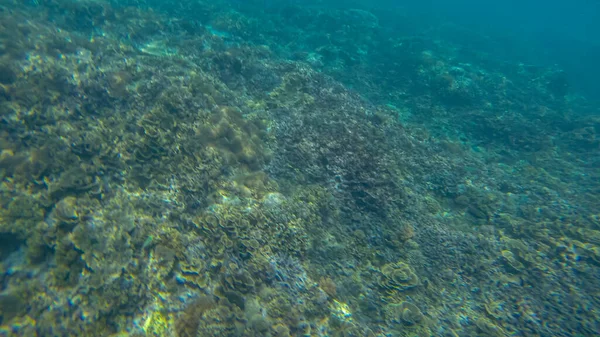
x: 318, y: 168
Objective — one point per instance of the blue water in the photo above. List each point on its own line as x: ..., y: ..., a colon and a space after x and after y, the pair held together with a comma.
x: 299, y: 168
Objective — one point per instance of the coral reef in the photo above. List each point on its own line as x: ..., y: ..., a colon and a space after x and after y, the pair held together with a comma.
x: 208, y: 168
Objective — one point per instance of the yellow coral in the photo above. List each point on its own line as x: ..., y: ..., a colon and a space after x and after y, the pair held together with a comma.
x: 398, y: 276
x: 341, y: 311
x: 410, y: 314
x: 157, y: 324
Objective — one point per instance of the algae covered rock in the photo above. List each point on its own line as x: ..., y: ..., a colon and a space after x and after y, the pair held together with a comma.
x: 11, y: 305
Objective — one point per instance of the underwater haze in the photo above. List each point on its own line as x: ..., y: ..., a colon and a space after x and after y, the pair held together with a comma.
x: 282, y: 168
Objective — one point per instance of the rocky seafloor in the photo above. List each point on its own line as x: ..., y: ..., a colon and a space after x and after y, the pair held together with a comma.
x: 212, y: 168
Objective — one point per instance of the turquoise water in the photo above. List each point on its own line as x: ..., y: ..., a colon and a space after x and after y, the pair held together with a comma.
x: 299, y: 168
